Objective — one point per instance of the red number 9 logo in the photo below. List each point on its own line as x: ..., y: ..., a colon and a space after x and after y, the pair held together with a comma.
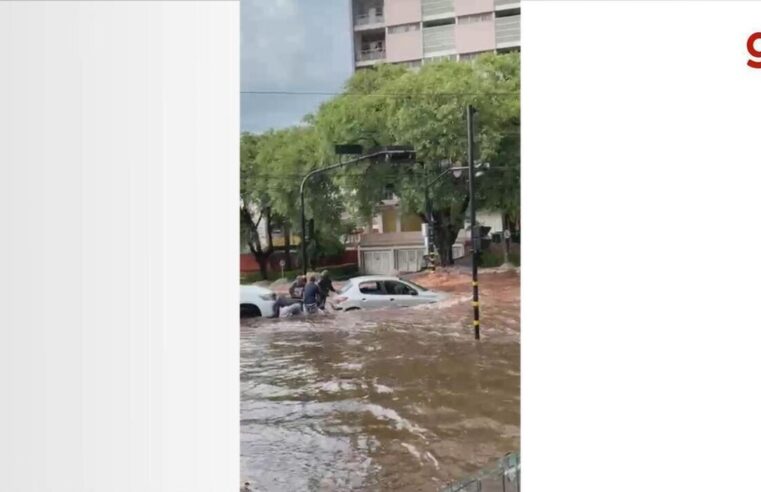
x: 753, y: 51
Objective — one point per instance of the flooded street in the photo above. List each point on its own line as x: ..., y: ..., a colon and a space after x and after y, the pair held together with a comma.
x: 382, y: 400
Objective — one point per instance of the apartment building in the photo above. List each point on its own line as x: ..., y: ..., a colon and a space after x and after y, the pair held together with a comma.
x: 413, y: 32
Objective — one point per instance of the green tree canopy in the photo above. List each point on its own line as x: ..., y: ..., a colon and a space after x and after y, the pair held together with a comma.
x: 426, y: 109
x: 389, y: 105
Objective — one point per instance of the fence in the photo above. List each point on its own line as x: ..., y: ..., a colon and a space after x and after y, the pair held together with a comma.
x: 248, y: 263
x: 505, y: 476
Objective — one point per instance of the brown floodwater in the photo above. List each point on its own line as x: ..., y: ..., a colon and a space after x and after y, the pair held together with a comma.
x: 382, y: 400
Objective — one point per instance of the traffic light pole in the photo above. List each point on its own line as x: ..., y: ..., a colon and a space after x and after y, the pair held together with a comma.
x: 388, y: 153
x: 473, y: 229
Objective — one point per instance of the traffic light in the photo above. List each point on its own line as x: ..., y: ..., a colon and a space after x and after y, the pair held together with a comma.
x: 397, y: 154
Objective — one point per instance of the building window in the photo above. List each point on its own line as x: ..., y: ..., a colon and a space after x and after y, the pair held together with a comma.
x: 388, y: 217
x: 368, y: 12
x: 404, y: 28
x: 472, y: 19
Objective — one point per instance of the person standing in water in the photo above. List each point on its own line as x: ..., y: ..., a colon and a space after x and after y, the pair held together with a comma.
x: 297, y: 287
x: 326, y: 287
x: 311, y: 296
x: 296, y: 292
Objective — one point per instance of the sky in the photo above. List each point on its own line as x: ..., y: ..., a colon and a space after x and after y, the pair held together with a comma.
x: 291, y: 45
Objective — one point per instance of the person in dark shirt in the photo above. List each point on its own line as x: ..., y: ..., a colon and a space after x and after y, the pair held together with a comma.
x: 311, y: 296
x: 326, y: 287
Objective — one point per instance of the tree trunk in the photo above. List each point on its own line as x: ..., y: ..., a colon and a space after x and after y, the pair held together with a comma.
x: 445, y: 235
x: 261, y: 259
x: 444, y: 246
x: 263, y: 266
x: 255, y: 245
x: 287, y: 245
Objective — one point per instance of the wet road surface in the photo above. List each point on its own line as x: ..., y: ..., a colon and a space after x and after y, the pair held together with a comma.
x: 382, y: 400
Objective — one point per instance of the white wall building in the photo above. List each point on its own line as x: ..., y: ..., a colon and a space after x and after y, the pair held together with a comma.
x: 394, y: 242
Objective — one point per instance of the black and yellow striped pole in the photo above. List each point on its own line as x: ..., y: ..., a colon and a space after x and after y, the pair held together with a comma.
x: 474, y: 239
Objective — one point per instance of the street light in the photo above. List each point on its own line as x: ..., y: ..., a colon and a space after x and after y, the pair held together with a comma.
x: 391, y: 154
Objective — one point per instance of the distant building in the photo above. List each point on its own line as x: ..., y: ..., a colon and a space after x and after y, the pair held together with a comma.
x: 393, y: 242
x: 414, y: 32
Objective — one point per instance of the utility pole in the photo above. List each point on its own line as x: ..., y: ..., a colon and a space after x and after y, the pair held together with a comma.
x: 474, y: 239
x: 303, y: 231
x: 429, y: 228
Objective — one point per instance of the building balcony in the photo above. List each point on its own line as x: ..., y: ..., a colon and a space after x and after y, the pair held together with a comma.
x: 370, y: 56
x: 369, y: 20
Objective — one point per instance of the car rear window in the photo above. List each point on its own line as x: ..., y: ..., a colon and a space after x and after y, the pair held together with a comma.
x: 370, y: 288
x: 345, y: 288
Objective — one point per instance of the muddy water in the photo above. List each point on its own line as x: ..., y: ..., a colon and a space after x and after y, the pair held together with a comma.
x: 382, y: 400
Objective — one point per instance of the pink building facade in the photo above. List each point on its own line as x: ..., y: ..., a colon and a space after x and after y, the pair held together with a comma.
x: 414, y: 32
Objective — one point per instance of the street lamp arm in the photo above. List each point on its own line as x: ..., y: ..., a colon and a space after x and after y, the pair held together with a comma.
x: 431, y: 183
x: 313, y: 172
x: 336, y: 166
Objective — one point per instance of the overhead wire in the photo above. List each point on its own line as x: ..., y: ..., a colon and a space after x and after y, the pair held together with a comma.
x: 379, y: 94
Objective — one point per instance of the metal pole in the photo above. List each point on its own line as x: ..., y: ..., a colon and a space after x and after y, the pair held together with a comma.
x: 303, y: 228
x: 386, y: 153
x: 473, y: 230
x: 429, y: 226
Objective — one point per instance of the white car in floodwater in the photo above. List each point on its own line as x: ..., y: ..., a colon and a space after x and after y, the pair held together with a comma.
x: 256, y: 301
x: 377, y: 291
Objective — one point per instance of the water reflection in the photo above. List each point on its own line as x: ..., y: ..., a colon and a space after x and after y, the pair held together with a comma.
x: 391, y: 400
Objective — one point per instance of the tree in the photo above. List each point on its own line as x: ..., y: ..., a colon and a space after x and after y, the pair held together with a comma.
x: 275, y: 169
x: 255, y: 209
x: 426, y: 109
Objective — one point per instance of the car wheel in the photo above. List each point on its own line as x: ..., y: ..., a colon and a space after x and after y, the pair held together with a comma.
x: 249, y: 311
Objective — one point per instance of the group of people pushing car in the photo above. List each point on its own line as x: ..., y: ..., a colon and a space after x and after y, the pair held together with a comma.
x: 305, y: 296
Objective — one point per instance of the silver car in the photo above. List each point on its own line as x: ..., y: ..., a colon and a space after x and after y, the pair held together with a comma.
x: 377, y: 291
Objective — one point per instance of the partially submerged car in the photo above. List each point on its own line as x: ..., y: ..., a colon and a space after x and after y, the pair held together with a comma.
x: 256, y: 301
x: 377, y: 291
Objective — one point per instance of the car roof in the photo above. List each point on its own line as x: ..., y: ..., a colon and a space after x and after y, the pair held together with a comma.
x: 255, y: 287
x: 371, y: 278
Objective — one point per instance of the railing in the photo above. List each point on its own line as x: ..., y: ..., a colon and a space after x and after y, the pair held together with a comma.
x: 370, y: 17
x: 508, y: 30
x: 352, y: 239
x: 505, y: 476
x: 437, y: 7
x: 371, y: 54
